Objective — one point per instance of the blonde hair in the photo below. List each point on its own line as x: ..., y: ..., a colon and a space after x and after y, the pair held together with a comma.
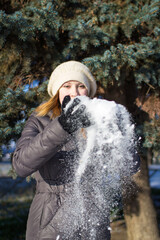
x: 52, y: 105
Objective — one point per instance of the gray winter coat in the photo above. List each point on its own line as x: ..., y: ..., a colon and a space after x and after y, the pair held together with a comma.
x: 46, y: 150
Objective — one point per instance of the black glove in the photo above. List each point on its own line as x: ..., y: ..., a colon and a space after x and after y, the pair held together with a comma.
x: 71, y: 119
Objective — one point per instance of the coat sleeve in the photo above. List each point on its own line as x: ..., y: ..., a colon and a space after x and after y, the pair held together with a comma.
x: 34, y: 148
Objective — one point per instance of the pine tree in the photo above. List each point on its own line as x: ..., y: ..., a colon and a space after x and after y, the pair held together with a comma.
x: 118, y: 40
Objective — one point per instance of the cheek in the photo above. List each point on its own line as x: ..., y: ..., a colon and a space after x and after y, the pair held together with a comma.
x: 84, y: 92
x: 62, y: 93
x: 61, y: 96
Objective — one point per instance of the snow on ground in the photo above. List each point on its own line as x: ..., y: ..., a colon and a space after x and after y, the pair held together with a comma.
x: 4, y: 168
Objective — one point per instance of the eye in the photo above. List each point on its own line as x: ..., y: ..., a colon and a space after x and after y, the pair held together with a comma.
x: 82, y: 86
x: 66, y: 86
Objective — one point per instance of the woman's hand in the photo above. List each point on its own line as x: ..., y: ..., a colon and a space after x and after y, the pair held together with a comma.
x: 74, y: 117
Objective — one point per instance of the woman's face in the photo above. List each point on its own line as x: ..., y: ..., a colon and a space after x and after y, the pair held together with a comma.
x: 73, y: 89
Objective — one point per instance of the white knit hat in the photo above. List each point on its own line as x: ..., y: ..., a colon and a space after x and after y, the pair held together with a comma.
x: 71, y: 70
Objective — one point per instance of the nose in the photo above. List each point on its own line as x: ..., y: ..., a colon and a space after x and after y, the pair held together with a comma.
x: 74, y: 92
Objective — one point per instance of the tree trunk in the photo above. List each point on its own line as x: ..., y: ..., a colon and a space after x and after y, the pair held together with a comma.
x: 139, y: 211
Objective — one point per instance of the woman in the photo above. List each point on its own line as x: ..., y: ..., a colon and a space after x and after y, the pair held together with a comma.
x: 47, y: 149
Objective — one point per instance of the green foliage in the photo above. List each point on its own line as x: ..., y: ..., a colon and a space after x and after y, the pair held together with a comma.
x: 15, y: 107
x: 109, y: 36
x: 152, y: 137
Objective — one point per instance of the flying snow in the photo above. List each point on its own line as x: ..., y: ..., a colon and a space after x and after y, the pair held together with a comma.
x: 106, y: 158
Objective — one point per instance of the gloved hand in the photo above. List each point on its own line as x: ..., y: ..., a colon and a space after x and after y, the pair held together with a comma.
x: 71, y: 119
